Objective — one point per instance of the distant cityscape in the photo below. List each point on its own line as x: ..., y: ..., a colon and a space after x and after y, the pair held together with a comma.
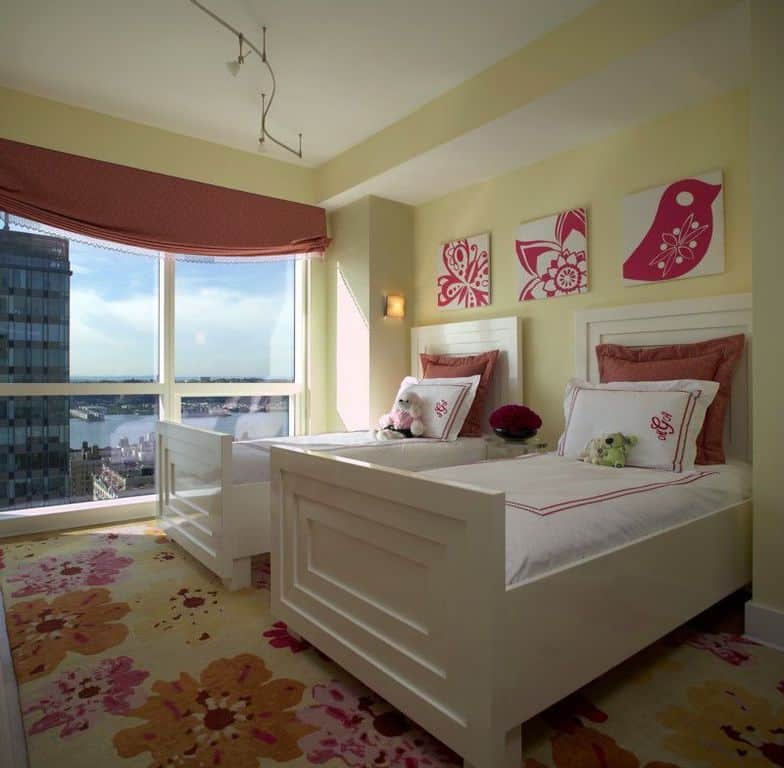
x: 61, y: 449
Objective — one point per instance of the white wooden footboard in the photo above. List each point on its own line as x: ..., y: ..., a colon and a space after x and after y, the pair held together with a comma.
x: 400, y: 579
x: 218, y: 523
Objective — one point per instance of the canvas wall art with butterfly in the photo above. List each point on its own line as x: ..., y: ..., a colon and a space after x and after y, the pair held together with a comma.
x: 463, y: 280
x: 674, y: 231
x: 553, y: 255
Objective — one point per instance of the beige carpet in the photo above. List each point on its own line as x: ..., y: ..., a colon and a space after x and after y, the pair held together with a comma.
x: 128, y: 653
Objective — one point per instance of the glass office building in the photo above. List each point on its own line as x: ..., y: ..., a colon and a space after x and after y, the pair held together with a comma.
x: 34, y: 341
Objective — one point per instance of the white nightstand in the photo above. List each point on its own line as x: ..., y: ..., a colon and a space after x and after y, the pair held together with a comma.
x: 502, y: 449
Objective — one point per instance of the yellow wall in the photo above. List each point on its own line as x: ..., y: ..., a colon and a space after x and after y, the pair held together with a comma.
x: 372, y: 252
x: 54, y: 125
x: 348, y: 259
x: 606, y: 32
x: 708, y: 136
x: 767, y: 193
x: 391, y: 258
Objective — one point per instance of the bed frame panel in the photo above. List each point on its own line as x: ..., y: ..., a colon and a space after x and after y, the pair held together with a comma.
x: 473, y: 337
x: 399, y: 579
x: 215, y: 521
x: 221, y: 524
x: 442, y: 637
x: 676, y: 322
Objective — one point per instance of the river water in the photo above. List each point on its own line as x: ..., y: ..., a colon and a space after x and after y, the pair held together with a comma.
x: 113, y: 428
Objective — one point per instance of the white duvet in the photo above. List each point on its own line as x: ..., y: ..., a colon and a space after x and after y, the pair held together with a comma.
x: 560, y: 510
x: 251, y: 458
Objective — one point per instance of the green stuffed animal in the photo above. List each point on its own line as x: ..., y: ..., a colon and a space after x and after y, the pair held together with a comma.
x: 609, y: 450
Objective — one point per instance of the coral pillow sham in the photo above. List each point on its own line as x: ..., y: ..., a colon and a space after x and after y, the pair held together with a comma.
x: 664, y: 416
x: 448, y: 367
x: 446, y: 403
x: 682, y: 361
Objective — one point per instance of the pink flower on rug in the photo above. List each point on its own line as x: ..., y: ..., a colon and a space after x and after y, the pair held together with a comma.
x: 358, y: 728
x: 280, y: 636
x: 79, y: 697
x: 58, y: 574
x: 725, y: 646
x: 261, y: 572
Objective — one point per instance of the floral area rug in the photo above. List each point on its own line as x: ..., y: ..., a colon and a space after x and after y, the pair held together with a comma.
x: 129, y: 653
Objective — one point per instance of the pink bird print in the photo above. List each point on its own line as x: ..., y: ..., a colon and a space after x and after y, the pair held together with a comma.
x: 679, y: 236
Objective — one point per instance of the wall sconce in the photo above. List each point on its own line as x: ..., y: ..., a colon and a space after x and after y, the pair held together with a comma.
x: 395, y: 306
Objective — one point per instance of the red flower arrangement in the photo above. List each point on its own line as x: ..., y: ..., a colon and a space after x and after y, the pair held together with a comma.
x: 515, y: 421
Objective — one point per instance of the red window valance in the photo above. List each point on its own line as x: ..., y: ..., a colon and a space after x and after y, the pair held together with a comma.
x: 151, y: 210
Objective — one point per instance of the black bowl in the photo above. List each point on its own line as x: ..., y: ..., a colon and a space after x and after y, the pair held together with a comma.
x: 523, y: 435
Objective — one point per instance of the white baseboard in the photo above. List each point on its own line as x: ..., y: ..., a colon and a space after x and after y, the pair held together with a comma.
x: 24, y: 522
x: 13, y: 752
x: 765, y: 625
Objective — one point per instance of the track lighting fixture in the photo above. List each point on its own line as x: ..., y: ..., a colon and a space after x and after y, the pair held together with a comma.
x: 246, y: 48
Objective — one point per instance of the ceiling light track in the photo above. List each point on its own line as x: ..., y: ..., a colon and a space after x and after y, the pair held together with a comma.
x: 246, y: 48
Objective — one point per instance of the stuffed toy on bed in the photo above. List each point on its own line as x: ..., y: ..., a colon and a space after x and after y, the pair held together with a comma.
x: 609, y: 450
x: 404, y: 420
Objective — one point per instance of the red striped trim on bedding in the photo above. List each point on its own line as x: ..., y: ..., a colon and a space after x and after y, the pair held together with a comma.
x: 607, y: 496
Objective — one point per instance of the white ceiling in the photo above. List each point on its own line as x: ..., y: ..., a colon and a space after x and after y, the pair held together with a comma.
x: 345, y: 68
x: 695, y: 63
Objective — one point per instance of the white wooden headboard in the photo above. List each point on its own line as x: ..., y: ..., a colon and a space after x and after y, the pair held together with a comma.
x: 676, y: 322
x: 471, y: 338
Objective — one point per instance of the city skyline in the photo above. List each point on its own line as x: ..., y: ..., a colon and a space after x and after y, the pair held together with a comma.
x: 232, y: 321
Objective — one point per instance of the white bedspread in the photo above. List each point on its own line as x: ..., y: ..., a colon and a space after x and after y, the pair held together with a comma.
x: 250, y: 458
x: 561, y: 510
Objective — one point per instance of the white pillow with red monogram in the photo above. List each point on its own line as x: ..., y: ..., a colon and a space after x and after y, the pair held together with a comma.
x: 445, y: 403
x: 664, y: 416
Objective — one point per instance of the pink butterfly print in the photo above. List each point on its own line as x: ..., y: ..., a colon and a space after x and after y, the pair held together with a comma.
x: 552, y: 267
x: 466, y: 281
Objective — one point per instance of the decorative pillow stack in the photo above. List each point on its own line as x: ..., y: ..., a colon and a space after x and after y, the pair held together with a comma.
x: 446, y: 403
x: 449, y: 366
x: 713, y: 360
x: 665, y: 417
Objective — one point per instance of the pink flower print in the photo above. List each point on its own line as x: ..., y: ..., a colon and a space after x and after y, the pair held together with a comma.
x: 79, y: 697
x: 68, y: 573
x: 567, y: 273
x: 677, y: 246
x: 359, y: 729
x: 728, y: 647
x: 557, y: 266
x: 280, y: 636
x: 441, y: 408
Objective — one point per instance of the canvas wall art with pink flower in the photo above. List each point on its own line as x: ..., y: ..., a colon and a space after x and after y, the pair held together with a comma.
x: 674, y: 231
x: 463, y: 280
x: 553, y: 255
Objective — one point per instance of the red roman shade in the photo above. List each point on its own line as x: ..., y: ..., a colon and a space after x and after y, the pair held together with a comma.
x: 151, y: 210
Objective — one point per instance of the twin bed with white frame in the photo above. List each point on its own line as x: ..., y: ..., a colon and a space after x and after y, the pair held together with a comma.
x: 214, y: 494
x: 402, y: 578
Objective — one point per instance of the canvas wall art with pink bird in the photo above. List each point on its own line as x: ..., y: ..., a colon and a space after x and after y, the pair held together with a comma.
x: 553, y: 255
x: 674, y: 231
x: 463, y: 278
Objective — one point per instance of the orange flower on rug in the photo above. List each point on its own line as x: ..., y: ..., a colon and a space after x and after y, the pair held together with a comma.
x: 233, y: 715
x: 726, y: 726
x: 41, y: 633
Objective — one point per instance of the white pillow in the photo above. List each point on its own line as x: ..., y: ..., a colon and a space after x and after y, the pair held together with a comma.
x: 446, y: 403
x: 664, y: 416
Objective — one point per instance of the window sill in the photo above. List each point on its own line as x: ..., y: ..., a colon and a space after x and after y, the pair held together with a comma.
x: 60, y: 518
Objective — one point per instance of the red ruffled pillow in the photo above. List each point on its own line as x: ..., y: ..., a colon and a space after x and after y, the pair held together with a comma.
x: 713, y: 360
x: 449, y: 367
